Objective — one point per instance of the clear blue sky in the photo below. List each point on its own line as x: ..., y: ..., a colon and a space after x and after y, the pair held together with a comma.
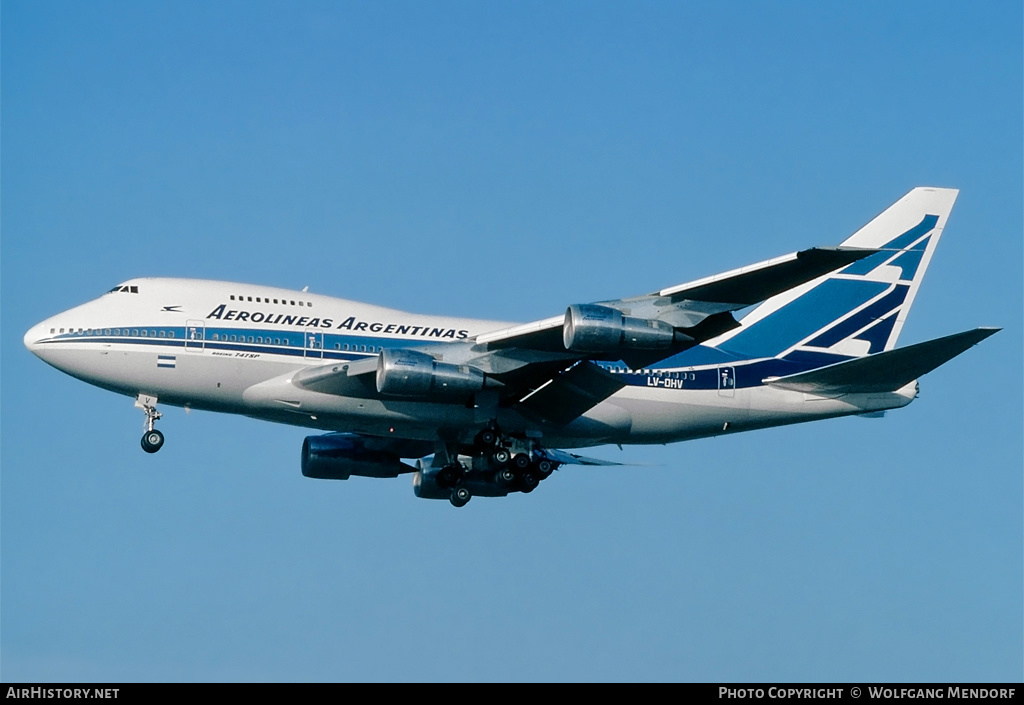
x: 502, y: 160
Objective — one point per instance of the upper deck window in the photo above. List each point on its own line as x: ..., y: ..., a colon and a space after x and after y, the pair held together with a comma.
x: 245, y: 297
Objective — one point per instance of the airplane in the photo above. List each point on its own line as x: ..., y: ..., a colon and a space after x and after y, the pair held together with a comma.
x: 489, y: 408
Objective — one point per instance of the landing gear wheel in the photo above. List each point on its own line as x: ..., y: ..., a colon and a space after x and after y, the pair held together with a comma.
x: 545, y: 467
x: 486, y: 438
x: 500, y: 456
x: 521, y: 461
x: 529, y: 481
x: 460, y: 496
x: 152, y: 441
x: 505, y: 476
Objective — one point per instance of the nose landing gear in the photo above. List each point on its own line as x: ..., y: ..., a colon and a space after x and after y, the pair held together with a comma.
x: 152, y: 440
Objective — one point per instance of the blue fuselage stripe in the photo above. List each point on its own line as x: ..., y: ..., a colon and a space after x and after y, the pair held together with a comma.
x: 747, y: 372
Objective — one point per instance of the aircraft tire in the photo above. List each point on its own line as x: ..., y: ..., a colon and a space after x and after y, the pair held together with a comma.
x: 500, y: 457
x: 460, y: 497
x: 521, y: 461
x: 505, y: 476
x: 486, y: 438
x: 152, y: 441
x: 529, y: 481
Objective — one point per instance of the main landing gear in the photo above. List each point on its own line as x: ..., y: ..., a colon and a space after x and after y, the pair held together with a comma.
x: 499, y: 465
x: 152, y: 440
x: 519, y: 465
x: 452, y: 477
x: 460, y: 496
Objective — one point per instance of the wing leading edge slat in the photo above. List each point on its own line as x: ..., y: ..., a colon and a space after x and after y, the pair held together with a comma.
x: 750, y: 285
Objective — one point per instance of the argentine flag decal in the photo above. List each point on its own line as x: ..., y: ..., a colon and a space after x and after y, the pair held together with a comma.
x: 165, y: 361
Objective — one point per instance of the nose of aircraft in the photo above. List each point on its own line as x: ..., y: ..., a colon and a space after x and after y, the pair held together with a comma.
x: 33, y: 336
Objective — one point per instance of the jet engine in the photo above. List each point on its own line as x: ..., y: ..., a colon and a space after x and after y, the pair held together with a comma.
x: 590, y: 328
x: 425, y: 483
x: 336, y: 456
x: 408, y: 373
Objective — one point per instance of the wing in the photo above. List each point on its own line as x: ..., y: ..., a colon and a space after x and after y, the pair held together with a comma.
x: 686, y: 306
x: 547, y: 368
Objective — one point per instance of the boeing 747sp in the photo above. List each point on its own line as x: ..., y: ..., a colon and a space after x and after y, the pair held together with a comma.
x: 488, y: 407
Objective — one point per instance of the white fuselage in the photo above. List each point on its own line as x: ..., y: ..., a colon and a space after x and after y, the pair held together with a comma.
x: 234, y: 347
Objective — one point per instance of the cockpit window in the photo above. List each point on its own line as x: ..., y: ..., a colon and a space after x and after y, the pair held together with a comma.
x: 125, y: 289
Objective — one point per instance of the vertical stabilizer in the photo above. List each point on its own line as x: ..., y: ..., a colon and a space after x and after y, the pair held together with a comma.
x: 859, y: 309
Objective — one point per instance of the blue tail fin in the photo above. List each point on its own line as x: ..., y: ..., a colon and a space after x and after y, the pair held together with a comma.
x: 860, y: 309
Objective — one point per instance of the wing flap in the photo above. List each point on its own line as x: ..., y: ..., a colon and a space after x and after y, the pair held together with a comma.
x: 572, y: 393
x: 885, y: 371
x: 562, y: 456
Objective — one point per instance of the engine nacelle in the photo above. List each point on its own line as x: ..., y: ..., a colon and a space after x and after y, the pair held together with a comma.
x: 590, y: 328
x: 408, y: 373
x: 337, y: 456
x: 425, y: 485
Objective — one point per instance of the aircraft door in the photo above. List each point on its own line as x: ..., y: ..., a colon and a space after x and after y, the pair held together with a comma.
x: 314, y: 344
x: 726, y: 381
x: 195, y: 334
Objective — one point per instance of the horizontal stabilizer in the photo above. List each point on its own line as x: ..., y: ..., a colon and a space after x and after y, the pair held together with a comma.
x: 885, y: 371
